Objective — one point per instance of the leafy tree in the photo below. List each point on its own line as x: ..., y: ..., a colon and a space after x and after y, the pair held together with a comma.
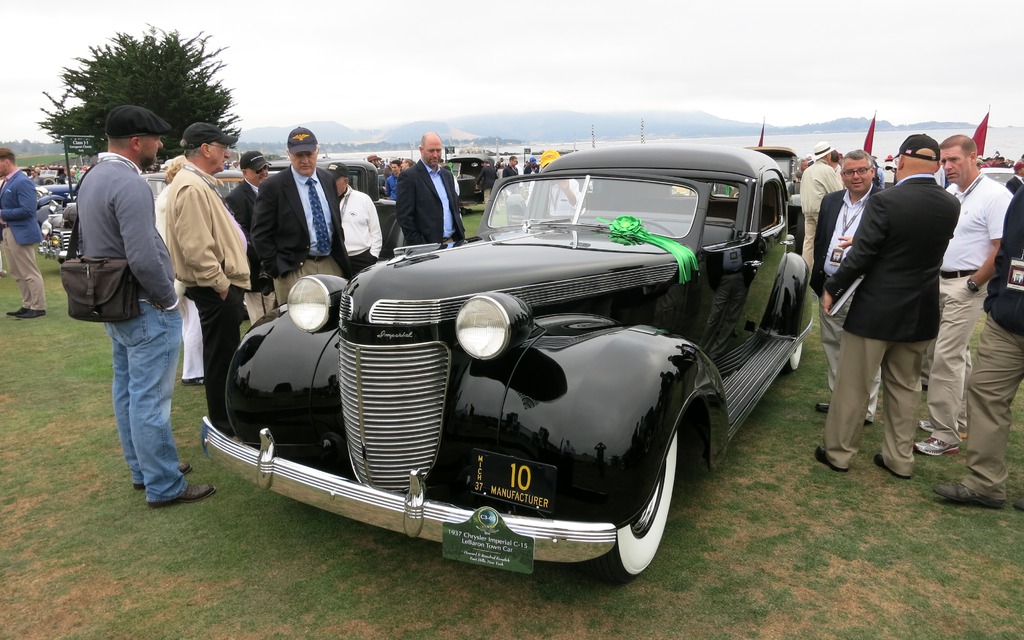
x: 172, y: 77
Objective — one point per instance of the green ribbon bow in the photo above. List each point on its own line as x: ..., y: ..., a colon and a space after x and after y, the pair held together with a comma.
x: 632, y: 228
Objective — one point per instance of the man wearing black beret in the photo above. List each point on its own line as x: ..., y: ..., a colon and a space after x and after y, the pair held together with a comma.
x: 116, y: 219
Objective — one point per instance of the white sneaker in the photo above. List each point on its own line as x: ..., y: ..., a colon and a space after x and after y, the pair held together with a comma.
x: 936, y: 447
x: 925, y: 425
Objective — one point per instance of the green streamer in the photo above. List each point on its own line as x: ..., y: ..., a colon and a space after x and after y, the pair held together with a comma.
x: 632, y: 228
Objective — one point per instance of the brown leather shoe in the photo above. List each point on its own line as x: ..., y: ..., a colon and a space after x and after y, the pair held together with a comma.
x: 192, y: 493
x: 183, y: 467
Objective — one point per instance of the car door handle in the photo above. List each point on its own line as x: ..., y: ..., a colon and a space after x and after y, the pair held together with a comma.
x: 754, y: 264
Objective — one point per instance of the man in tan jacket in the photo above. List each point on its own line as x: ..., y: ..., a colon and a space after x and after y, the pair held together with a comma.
x: 207, y: 249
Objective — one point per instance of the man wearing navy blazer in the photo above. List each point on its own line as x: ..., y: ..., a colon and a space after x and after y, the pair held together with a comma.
x: 21, y: 235
x: 838, y: 219
x: 898, y: 249
x: 297, y: 229
x: 428, y: 210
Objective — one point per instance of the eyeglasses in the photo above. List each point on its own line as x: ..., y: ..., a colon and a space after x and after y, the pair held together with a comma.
x: 863, y: 171
x: 217, y: 144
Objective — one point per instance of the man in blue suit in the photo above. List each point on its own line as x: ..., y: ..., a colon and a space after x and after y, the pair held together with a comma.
x: 21, y: 235
x: 428, y: 210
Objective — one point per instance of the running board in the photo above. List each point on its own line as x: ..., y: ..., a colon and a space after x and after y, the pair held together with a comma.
x: 748, y: 382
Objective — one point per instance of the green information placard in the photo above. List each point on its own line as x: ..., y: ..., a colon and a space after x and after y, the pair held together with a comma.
x: 486, y: 540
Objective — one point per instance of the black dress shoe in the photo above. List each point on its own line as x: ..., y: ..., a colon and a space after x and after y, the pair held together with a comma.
x: 28, y: 314
x: 822, y: 457
x: 192, y: 382
x: 192, y: 493
x: 880, y: 463
x: 19, y: 311
x: 821, y: 407
x: 183, y: 467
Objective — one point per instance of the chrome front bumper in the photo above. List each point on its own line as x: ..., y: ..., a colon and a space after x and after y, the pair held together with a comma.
x: 409, y: 513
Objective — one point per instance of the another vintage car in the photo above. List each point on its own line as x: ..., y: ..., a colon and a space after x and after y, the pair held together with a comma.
x: 467, y: 168
x: 530, y: 395
x: 789, y: 163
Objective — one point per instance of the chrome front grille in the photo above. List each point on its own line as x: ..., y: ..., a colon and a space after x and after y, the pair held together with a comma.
x: 424, y: 312
x: 393, y: 403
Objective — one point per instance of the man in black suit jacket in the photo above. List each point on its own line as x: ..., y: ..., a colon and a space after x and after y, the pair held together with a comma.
x: 241, y: 201
x: 898, y: 250
x: 428, y: 210
x: 838, y: 219
x: 1017, y: 180
x: 284, y: 229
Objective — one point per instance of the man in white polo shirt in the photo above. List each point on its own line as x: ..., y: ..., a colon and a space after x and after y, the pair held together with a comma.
x: 967, y: 266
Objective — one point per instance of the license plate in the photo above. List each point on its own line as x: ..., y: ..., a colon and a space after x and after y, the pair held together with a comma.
x: 521, y: 482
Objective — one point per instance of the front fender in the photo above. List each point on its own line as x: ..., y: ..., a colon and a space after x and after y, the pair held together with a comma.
x: 599, y: 405
x: 787, y: 313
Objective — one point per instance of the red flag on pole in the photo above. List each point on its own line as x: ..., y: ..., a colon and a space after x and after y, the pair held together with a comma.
x: 869, y: 140
x: 981, y: 134
x: 760, y: 141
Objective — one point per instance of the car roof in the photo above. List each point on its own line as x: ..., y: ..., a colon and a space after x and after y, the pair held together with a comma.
x: 667, y: 158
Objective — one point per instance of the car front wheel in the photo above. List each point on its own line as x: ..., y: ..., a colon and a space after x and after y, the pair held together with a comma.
x: 638, y: 541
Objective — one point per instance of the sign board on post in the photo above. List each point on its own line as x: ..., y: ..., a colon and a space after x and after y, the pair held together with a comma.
x: 78, y: 143
x: 81, y: 145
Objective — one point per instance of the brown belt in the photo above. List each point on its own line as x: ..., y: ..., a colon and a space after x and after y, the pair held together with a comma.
x: 317, y: 258
x: 949, y: 275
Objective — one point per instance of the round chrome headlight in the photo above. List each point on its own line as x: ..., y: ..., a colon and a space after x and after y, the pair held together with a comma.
x: 309, y: 304
x: 487, y: 325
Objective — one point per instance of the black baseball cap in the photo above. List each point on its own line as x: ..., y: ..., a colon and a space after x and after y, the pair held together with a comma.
x: 200, y: 133
x: 253, y: 160
x: 922, y: 147
x: 129, y: 120
x: 339, y: 169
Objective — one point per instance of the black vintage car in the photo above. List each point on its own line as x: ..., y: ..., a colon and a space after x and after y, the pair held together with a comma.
x: 529, y: 395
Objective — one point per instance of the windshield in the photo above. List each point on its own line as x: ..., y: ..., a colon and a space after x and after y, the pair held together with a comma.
x: 664, y: 209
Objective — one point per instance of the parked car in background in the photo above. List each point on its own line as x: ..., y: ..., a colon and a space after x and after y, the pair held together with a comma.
x: 1001, y: 175
x: 228, y: 179
x: 467, y: 168
x: 530, y: 396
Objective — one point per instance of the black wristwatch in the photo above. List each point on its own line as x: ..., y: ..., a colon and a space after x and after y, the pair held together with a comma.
x: 972, y: 285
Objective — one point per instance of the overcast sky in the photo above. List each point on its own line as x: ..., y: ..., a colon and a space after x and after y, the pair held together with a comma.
x: 378, y: 63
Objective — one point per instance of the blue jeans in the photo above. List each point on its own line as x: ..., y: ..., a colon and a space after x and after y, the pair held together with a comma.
x: 145, y: 366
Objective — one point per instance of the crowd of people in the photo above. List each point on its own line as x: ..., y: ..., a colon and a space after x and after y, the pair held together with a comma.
x: 903, y: 273
x: 903, y: 270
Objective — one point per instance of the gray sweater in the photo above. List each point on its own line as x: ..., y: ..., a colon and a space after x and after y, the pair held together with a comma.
x: 116, y: 219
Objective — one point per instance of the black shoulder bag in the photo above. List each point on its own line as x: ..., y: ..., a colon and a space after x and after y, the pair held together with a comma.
x: 99, y: 289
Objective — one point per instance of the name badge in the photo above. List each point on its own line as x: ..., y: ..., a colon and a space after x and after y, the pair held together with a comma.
x: 1015, y: 280
x: 836, y: 256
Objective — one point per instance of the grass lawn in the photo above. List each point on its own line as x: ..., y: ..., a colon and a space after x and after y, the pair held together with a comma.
x: 769, y: 545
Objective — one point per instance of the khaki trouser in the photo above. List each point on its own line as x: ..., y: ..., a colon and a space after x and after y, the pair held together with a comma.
x: 810, y: 230
x: 951, y: 363
x: 284, y: 284
x: 993, y: 385
x: 859, y: 359
x: 21, y: 262
x: 831, y: 334
x: 257, y: 305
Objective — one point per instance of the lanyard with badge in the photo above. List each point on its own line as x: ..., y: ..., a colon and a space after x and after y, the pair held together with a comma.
x: 838, y: 252
x: 1015, y: 278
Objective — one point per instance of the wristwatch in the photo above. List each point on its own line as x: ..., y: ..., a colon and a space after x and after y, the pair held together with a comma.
x: 972, y: 285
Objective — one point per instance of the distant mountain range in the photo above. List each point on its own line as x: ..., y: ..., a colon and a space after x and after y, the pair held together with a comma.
x: 486, y: 131
x: 560, y: 126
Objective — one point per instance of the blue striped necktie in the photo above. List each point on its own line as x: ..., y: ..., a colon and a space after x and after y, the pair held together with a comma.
x: 323, y: 237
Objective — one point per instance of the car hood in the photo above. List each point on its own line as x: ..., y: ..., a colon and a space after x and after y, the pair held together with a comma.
x: 546, y: 266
